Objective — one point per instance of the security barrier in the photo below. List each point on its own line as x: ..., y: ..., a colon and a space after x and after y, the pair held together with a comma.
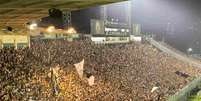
x: 185, y: 93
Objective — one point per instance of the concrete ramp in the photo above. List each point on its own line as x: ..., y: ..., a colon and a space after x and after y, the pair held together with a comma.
x: 177, y: 55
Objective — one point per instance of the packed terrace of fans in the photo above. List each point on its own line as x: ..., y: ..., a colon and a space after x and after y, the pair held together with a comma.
x: 122, y: 72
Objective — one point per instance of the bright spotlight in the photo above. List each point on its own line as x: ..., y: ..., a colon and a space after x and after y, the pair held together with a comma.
x: 51, y: 29
x: 71, y: 31
x: 33, y: 26
x: 190, y: 49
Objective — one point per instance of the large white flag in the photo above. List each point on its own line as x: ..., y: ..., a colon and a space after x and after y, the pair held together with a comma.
x: 80, y: 68
x: 154, y: 89
x: 91, y: 80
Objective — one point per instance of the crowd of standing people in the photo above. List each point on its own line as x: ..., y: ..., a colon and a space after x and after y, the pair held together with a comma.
x: 122, y: 72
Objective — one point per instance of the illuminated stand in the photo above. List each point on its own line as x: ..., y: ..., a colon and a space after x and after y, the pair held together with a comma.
x: 136, y: 36
x: 112, y: 30
x: 14, y: 39
x: 51, y: 33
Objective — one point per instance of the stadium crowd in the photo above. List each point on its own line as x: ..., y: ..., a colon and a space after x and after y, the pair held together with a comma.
x: 123, y: 72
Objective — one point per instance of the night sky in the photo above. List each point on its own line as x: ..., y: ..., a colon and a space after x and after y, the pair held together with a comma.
x: 178, y: 20
x: 81, y: 19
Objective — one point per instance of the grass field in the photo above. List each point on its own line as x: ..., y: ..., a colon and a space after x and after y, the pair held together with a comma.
x: 195, y: 98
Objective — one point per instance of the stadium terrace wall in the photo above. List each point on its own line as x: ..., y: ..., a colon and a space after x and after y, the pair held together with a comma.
x: 184, y: 93
x: 173, y: 53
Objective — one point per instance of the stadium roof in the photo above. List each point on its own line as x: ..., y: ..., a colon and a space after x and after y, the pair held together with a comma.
x: 17, y: 13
